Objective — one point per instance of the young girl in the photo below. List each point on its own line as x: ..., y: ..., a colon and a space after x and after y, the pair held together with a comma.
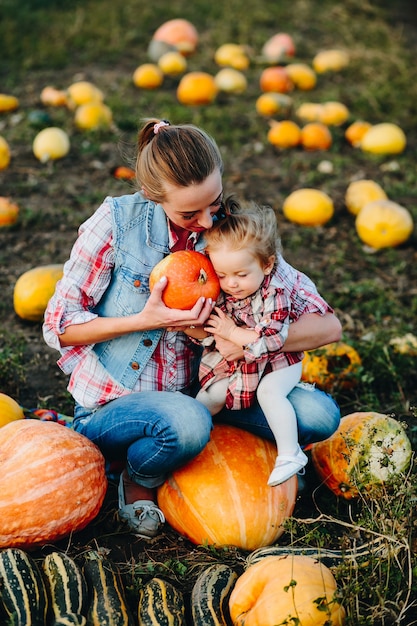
x: 132, y: 368
x: 255, y: 311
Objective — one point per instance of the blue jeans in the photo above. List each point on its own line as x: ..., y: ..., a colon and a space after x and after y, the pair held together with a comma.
x: 157, y: 432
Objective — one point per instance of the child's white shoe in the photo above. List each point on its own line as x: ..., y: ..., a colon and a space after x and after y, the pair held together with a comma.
x: 286, y: 466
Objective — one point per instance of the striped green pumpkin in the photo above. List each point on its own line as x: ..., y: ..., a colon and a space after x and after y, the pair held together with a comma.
x: 22, y: 589
x: 210, y: 596
x: 161, y: 604
x: 67, y: 589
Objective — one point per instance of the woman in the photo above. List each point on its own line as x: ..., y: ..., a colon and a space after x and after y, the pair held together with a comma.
x: 133, y: 374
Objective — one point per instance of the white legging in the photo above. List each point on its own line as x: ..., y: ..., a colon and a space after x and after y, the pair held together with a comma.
x: 272, y: 393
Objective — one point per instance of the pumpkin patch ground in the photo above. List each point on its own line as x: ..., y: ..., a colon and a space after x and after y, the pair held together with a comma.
x: 373, y: 290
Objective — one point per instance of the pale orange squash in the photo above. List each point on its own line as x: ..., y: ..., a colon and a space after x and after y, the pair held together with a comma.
x: 52, y: 482
x: 180, y: 33
x: 287, y: 589
x: 222, y: 497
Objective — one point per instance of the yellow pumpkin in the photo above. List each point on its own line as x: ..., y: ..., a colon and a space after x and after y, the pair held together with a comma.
x: 287, y: 589
x: 4, y: 154
x: 93, y: 116
x: 284, y: 134
x: 334, y: 365
x: 384, y: 138
x: 308, y: 207
x: 10, y: 410
x: 8, y: 103
x: 197, y: 88
x: 9, y: 212
x: 407, y: 344
x: 384, y: 224
x: 172, y: 63
x: 302, y: 75
x: 232, y: 55
x: 230, y: 80
x: 309, y: 111
x: 270, y: 104
x: 334, y: 113
x: 222, y: 497
x: 148, y: 76
x: 50, y: 144
x: 33, y: 289
x: 81, y: 92
x: 332, y: 60
x: 360, y: 192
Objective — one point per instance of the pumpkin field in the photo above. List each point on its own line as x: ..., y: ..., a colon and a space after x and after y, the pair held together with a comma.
x: 313, y: 104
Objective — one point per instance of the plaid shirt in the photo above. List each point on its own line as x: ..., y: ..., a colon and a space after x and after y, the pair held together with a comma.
x: 280, y: 300
x: 86, y: 277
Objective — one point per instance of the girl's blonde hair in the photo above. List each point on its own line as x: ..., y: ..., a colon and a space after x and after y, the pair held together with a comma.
x: 243, y: 227
x: 181, y: 155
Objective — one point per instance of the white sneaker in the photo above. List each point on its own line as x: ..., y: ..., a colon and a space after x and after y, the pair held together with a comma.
x: 286, y: 466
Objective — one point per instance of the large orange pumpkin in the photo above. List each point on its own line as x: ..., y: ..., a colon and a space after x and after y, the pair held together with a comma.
x: 368, y: 450
x: 288, y: 589
x: 52, y: 482
x: 190, y: 276
x: 222, y: 498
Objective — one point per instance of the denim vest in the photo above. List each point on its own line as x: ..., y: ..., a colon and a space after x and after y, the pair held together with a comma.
x: 140, y: 241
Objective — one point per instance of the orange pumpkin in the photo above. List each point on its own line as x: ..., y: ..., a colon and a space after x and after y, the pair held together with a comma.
x: 285, y: 134
x: 355, y: 131
x: 52, y: 482
x: 9, y: 212
x: 275, y: 78
x: 277, y: 47
x: 179, y: 33
x: 334, y: 365
x: 222, y: 498
x: 368, y: 450
x: 288, y: 589
x: 196, y: 88
x: 190, y: 276
x: 316, y: 136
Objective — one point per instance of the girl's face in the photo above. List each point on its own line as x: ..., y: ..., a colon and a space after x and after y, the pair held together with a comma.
x: 240, y: 273
x: 193, y: 208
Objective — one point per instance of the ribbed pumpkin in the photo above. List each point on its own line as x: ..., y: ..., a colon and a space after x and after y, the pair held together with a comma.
x: 33, y: 289
x: 52, y: 482
x: 222, y: 498
x: 368, y: 450
x: 288, y: 589
x: 335, y: 365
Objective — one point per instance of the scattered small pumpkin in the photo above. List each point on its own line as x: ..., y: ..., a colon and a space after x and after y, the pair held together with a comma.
x: 33, y: 289
x: 275, y: 78
x: 384, y: 224
x: 360, y: 192
x: 232, y: 55
x: 284, y: 134
x: 222, y: 497
x: 334, y: 113
x: 83, y: 91
x: 309, y: 111
x: 230, y: 80
x: 407, y: 344
x: 316, y: 136
x: 368, y: 450
x: 333, y: 365
x: 50, y: 96
x: 332, y: 60
x: 10, y: 410
x: 355, y: 132
x: 302, y: 75
x: 172, y: 63
x: 148, y: 76
x: 93, y: 116
x: 287, y: 589
x: 50, y: 144
x: 308, y: 207
x: 278, y: 47
x: 4, y: 154
x: 384, y: 138
x: 197, y: 88
x: 190, y: 276
x: 270, y: 104
x: 9, y: 212
x: 180, y: 33
x: 8, y: 103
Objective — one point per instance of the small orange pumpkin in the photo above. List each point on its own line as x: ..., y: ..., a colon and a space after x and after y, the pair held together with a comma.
x: 334, y: 365
x: 316, y: 136
x: 355, y: 132
x: 196, y: 88
x: 284, y: 134
x: 302, y: 75
x: 222, y: 497
x: 9, y: 212
x: 367, y: 450
x: 271, y: 103
x: 4, y: 154
x: 180, y: 33
x: 148, y: 76
x: 190, y: 276
x: 52, y: 482
x: 276, y: 79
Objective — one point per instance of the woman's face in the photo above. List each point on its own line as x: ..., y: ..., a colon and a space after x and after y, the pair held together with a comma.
x: 193, y: 208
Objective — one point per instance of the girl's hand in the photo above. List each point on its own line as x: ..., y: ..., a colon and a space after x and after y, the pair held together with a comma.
x: 220, y: 325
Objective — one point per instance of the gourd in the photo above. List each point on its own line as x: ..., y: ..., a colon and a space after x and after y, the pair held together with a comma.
x: 384, y: 138
x: 197, y: 88
x: 290, y: 589
x: 66, y: 588
x: 4, y: 154
x: 275, y: 78
x: 222, y: 498
x: 302, y: 76
x: 50, y: 144
x: 108, y: 605
x: 332, y: 60
x: 316, y: 136
x: 9, y: 212
x: 284, y: 134
x: 230, y: 80
x: 360, y: 192
x: 33, y: 289
x: 52, y: 482
x: 368, y: 450
x: 308, y: 207
x: 335, y: 365
x: 278, y: 47
x: 190, y: 276
x: 210, y: 595
x: 160, y: 604
x: 93, y: 116
x: 10, y: 410
x: 148, y: 76
x: 232, y: 55
x: 22, y: 589
x: 180, y: 33
x: 384, y: 224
